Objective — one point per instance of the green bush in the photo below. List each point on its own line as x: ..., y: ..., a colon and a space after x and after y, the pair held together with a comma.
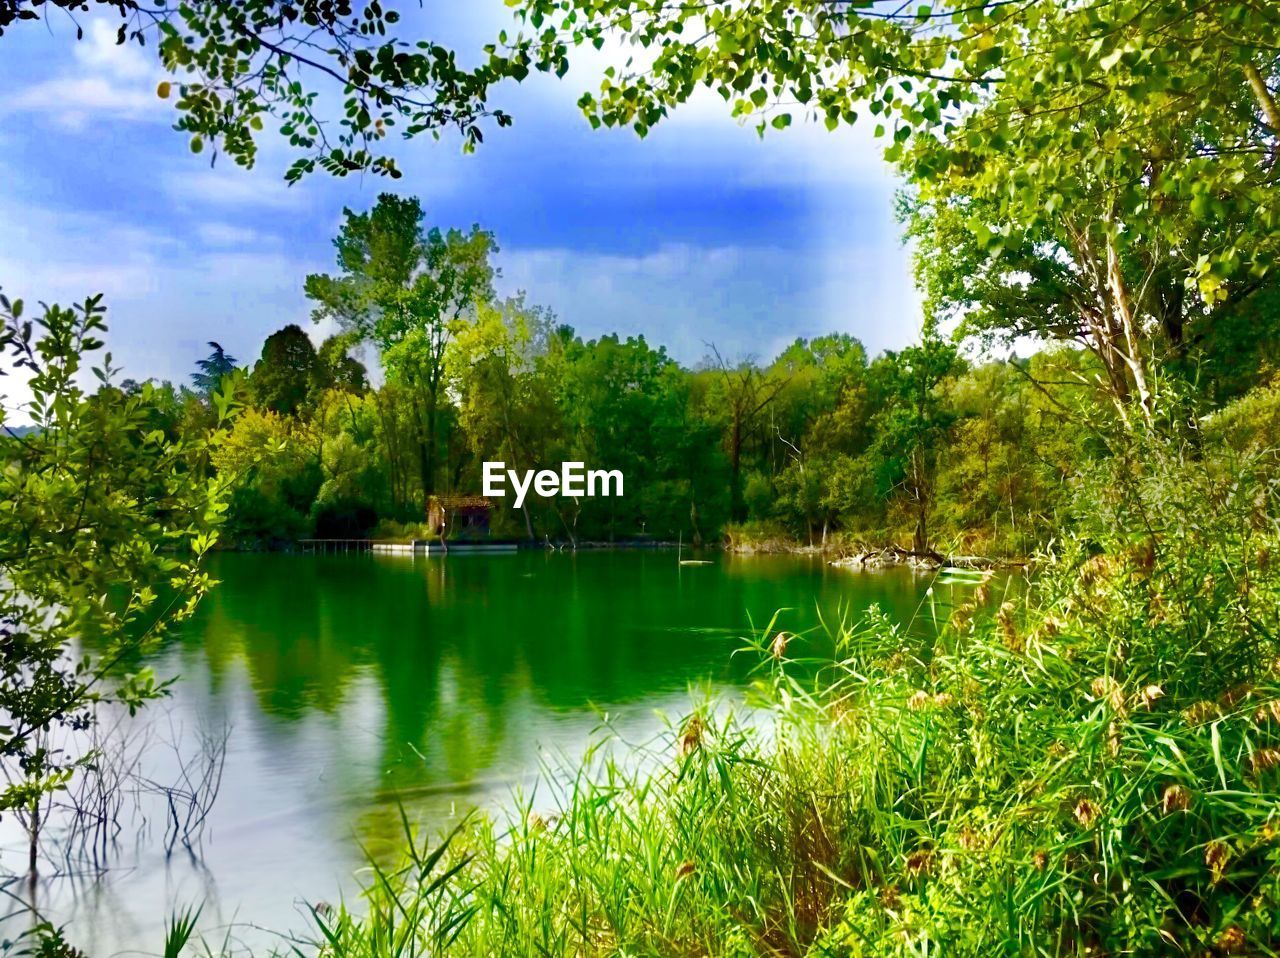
x: 758, y: 536
x: 392, y: 531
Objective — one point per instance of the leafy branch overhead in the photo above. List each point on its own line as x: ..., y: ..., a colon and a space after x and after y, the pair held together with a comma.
x: 241, y: 66
x: 913, y: 69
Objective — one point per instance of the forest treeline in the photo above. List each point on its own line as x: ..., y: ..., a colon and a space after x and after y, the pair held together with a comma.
x: 937, y: 445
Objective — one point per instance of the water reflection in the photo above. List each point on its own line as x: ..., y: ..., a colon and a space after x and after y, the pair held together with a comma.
x: 353, y: 682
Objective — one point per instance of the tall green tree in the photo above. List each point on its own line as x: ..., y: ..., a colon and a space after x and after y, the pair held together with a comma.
x: 745, y: 393
x: 286, y: 373
x: 407, y: 290
x: 212, y: 370
x: 337, y: 369
x: 506, y: 408
x: 617, y: 398
x: 911, y: 429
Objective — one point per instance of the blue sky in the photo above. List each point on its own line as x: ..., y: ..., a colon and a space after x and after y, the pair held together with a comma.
x: 701, y: 233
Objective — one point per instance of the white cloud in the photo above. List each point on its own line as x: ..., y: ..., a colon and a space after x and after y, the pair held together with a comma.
x: 73, y: 101
x: 230, y: 185
x: 65, y: 256
x: 166, y: 295
x: 116, y: 82
x: 100, y: 52
x: 225, y: 234
x: 747, y: 300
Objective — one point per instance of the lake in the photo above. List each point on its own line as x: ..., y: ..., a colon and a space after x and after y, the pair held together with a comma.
x: 344, y: 685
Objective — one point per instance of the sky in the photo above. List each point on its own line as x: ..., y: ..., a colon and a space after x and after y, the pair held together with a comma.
x: 700, y: 234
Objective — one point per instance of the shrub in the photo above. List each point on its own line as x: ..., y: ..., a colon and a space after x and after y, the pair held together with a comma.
x: 758, y: 536
x: 392, y: 531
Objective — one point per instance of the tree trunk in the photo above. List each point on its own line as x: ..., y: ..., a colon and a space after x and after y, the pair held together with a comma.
x: 1265, y: 99
x: 1109, y: 320
x: 423, y: 433
x: 1132, y: 353
x: 33, y: 851
x: 736, y: 506
x: 430, y: 481
x: 920, y: 538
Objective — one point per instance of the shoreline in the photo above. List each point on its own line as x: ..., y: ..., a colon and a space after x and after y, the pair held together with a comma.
x: 861, y: 557
x: 871, y: 557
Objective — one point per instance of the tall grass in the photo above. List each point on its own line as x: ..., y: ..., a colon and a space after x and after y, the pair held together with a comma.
x: 1090, y: 768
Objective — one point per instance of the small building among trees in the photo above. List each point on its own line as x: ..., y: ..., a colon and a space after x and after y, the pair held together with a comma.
x: 466, y: 516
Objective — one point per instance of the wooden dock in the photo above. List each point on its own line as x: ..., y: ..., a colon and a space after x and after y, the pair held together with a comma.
x: 333, y: 546
x: 416, y: 547
x: 430, y: 547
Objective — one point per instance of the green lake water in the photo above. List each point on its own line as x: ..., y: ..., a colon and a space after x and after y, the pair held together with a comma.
x: 347, y: 684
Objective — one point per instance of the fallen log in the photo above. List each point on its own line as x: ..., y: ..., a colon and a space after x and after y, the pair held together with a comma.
x: 926, y: 559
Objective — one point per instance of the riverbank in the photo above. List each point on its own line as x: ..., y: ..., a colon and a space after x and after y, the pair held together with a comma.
x: 856, y: 555
x: 836, y: 555
x: 928, y: 561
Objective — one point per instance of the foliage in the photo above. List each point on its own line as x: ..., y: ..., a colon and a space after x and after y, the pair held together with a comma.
x: 284, y: 377
x: 280, y: 477
x: 1251, y: 423
x: 242, y: 65
x: 821, y: 443
x: 911, y: 428
x: 335, y: 368
x: 392, y: 531
x: 505, y: 408
x: 104, y: 520
x: 415, y: 909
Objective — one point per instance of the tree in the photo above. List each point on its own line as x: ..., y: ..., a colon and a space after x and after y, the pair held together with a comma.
x: 618, y: 398
x: 1121, y: 216
x: 335, y: 369
x: 212, y: 370
x: 408, y: 291
x: 746, y: 392
x: 279, y: 470
x: 105, y: 523
x: 1012, y: 449
x: 823, y: 404
x: 506, y: 409
x: 355, y: 490
x: 286, y: 373
x: 912, y: 427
